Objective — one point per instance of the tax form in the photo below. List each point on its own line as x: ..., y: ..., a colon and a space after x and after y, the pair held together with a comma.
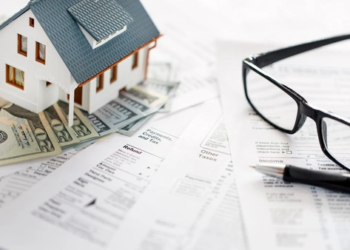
x: 18, y: 182
x: 84, y: 202
x: 277, y: 214
x: 193, y: 202
x: 10, y: 169
x: 203, y: 210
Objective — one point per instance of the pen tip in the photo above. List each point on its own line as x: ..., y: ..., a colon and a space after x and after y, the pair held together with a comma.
x: 252, y: 166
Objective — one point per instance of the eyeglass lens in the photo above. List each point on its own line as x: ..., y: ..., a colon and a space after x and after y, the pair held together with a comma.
x: 336, y: 136
x: 271, y: 102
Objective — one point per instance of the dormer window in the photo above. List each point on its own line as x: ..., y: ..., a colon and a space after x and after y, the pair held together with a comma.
x: 95, y: 44
x: 100, y: 21
x: 22, y: 46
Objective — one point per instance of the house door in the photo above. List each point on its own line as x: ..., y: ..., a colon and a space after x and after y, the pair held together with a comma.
x: 78, y: 95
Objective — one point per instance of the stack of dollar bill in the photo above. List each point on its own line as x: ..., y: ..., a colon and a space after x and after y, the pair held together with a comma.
x: 25, y: 135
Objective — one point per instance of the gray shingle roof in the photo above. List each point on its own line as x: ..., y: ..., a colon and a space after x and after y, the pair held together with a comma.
x: 82, y: 61
x: 100, y: 18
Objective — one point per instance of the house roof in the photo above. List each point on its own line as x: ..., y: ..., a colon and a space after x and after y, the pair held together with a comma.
x: 100, y: 18
x: 14, y: 17
x: 82, y: 61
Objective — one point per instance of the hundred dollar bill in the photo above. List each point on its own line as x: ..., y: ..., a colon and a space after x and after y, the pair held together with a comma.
x: 25, y: 135
x: 166, y: 88
x: 145, y: 107
x: 124, y: 110
x: 98, y: 124
x: 81, y: 125
x: 64, y: 134
x: 132, y: 128
x: 159, y: 101
x: 147, y: 95
x: 117, y: 114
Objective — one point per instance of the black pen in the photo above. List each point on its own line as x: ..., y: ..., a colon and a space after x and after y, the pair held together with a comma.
x: 291, y: 173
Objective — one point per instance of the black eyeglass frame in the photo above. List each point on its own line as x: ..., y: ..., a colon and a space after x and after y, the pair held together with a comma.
x: 257, y: 62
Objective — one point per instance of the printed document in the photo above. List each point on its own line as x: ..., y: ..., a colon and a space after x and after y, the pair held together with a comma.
x: 15, y: 184
x: 277, y: 214
x: 192, y: 203
x: 84, y: 202
x: 113, y: 203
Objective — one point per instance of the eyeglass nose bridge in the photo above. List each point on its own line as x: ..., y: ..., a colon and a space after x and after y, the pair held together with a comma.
x: 305, y: 110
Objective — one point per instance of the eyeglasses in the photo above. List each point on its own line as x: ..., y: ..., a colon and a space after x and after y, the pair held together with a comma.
x: 286, y: 110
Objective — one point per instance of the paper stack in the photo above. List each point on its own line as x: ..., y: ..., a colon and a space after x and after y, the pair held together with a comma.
x: 175, y: 175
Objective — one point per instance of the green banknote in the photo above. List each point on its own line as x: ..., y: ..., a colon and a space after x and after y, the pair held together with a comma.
x: 147, y: 100
x: 81, y: 125
x: 147, y: 95
x: 166, y: 88
x: 25, y: 135
x: 114, y: 115
x: 65, y: 135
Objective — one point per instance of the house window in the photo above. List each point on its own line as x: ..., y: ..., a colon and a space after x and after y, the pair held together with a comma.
x: 14, y: 77
x: 113, y: 73
x: 31, y: 22
x: 40, y: 53
x: 22, y: 46
x: 99, y: 83
x: 48, y: 84
x: 135, y: 60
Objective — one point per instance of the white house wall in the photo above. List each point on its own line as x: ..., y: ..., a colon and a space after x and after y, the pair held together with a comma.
x: 35, y: 96
x: 134, y: 76
x: 126, y: 77
x: 48, y: 95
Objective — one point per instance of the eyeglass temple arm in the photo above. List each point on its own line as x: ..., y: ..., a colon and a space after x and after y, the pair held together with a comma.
x: 277, y: 55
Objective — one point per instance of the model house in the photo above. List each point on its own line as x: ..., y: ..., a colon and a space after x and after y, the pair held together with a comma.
x: 79, y: 51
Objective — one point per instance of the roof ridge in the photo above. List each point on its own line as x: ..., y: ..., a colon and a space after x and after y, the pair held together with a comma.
x: 33, y: 1
x: 81, y: 60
